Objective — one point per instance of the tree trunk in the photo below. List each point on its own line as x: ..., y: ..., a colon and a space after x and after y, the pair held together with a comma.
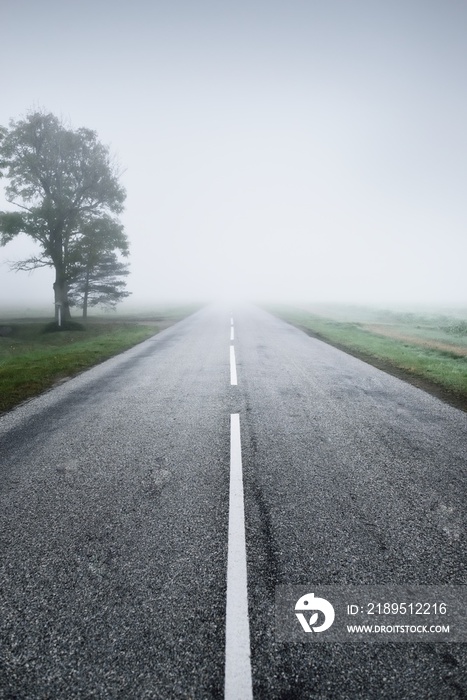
x: 62, y: 306
x: 86, y: 293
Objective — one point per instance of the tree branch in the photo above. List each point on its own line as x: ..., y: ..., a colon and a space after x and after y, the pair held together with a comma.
x: 28, y: 265
x: 21, y: 206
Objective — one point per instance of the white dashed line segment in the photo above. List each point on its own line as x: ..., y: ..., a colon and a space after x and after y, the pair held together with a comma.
x: 238, y: 683
x: 233, y: 367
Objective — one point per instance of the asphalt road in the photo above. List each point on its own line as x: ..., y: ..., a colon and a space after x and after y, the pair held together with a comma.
x: 114, y: 517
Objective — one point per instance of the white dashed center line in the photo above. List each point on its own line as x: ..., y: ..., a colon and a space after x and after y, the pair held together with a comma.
x: 232, y: 333
x: 238, y: 683
x: 233, y: 367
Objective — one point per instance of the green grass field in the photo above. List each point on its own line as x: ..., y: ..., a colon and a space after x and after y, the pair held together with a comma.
x: 32, y: 360
x: 430, y: 350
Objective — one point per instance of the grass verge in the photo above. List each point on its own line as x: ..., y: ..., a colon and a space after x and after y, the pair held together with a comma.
x: 32, y: 360
x: 442, y: 372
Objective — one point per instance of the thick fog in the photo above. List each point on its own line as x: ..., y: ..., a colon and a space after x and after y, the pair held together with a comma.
x: 272, y: 150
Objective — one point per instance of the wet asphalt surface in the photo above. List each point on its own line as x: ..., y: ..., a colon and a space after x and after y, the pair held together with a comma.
x: 114, y: 514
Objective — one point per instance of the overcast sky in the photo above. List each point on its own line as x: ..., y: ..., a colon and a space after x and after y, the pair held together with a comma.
x: 294, y: 149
